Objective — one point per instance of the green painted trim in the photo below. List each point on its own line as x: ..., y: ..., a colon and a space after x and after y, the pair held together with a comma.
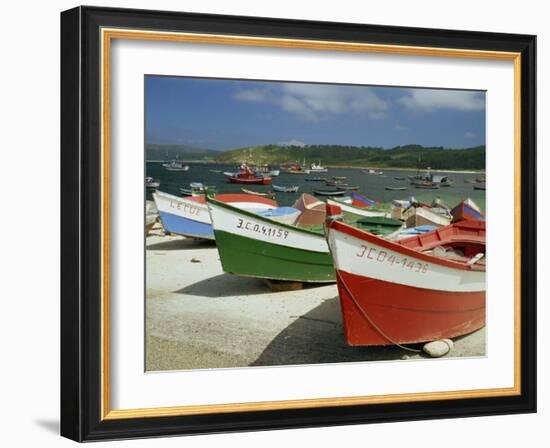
x: 252, y: 258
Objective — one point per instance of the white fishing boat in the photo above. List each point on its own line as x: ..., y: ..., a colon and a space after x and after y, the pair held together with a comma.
x: 284, y: 189
x: 174, y: 165
x: 316, y: 168
x: 365, y: 212
x: 152, y: 183
x: 418, y: 216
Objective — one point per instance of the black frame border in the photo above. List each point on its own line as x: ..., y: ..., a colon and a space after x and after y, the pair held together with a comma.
x: 81, y: 223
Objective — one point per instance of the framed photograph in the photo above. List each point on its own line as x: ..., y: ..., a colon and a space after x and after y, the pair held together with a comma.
x: 274, y: 223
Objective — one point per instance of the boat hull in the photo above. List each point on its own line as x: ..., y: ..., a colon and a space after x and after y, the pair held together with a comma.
x: 405, y: 315
x: 464, y: 212
x: 252, y: 246
x: 250, y: 181
x: 187, y: 227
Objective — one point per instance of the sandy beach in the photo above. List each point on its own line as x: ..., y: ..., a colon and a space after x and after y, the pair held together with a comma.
x: 199, y: 317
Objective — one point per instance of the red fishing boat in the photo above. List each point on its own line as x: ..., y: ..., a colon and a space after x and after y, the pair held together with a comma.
x: 419, y: 289
x: 247, y: 176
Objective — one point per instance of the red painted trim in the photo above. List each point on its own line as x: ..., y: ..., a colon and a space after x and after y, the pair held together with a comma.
x: 234, y: 198
x: 397, y: 247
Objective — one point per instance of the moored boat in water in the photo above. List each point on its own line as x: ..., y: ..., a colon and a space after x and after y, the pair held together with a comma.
x: 335, y: 192
x: 152, y: 183
x: 422, y: 288
x: 316, y: 168
x: 175, y: 165
x: 247, y: 176
x: 285, y: 189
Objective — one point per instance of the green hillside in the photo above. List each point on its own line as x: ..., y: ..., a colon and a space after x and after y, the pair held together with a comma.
x: 409, y: 156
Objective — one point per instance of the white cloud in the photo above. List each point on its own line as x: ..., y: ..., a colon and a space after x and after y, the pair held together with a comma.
x: 428, y: 100
x: 314, y: 102
x: 250, y: 95
x: 293, y: 142
x: 470, y: 134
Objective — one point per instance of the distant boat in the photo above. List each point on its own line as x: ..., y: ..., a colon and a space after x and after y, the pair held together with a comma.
x: 316, y: 168
x: 257, y: 193
x: 430, y: 181
x: 195, y: 188
x: 480, y: 186
x: 330, y: 192
x: 296, y: 169
x: 250, y: 180
x: 283, y: 189
x: 426, y: 185
x: 315, y: 179
x: 395, y: 188
x: 400, y: 178
x: 174, y: 165
x: 247, y: 176
x: 372, y: 172
x: 215, y: 171
x: 265, y: 170
x: 152, y: 183
x: 339, y: 177
x: 443, y: 181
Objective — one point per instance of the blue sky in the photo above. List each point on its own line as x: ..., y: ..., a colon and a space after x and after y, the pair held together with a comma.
x: 225, y: 114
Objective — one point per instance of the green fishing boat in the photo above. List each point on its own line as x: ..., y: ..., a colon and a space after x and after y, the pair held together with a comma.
x: 254, y: 246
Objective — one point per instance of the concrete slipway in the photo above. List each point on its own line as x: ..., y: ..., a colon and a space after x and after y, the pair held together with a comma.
x: 199, y: 317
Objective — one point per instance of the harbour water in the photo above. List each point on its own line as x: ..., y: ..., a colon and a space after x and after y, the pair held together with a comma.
x: 372, y: 186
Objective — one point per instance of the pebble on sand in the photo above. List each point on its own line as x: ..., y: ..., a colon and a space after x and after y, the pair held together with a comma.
x: 437, y: 349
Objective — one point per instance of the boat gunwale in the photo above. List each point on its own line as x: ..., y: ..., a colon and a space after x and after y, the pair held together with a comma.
x: 210, y: 200
x: 397, y: 247
x: 371, y: 208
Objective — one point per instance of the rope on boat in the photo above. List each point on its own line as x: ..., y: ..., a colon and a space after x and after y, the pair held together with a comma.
x: 366, y: 316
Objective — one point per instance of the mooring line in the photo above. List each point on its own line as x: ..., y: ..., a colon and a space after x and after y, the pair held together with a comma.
x: 366, y: 316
